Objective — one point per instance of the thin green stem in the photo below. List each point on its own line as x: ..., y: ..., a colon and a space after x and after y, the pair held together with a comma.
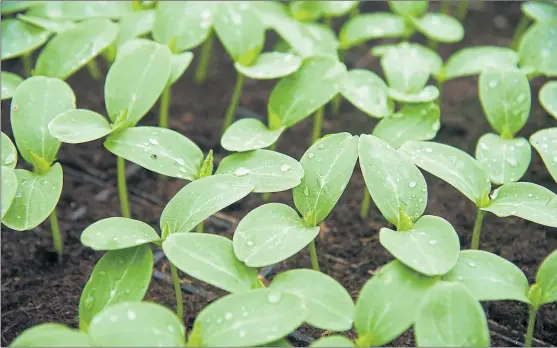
x: 336, y: 103
x: 520, y: 29
x: 432, y: 44
x: 462, y: 9
x: 355, y: 10
x: 164, y: 105
x: 27, y: 64
x: 200, y: 227
x: 94, y: 70
x: 178, y: 291
x: 444, y: 6
x: 203, y: 63
x: 317, y: 124
x: 477, y: 230
x: 328, y: 21
x: 440, y: 84
x: 531, y: 325
x: 56, y: 235
x: 231, y: 111
x: 313, y: 256
x: 122, y: 189
x: 364, y: 207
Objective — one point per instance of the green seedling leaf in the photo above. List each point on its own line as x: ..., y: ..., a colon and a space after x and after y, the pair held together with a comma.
x: 368, y: 92
x: 323, y: 37
x: 540, y: 11
x: 412, y: 122
x: 270, y: 65
x: 426, y: 95
x: 273, y: 14
x: 211, y: 259
x: 136, y: 79
x: 268, y: 171
x: 51, y: 335
x: 116, y: 233
x: 137, y: 324
x: 9, y: 188
x: 547, y: 96
x: 380, y: 50
x: 135, y: 24
x: 119, y: 276
x: 180, y: 62
x: 439, y: 27
x: 526, y: 200
x: 160, y: 150
x: 202, y: 198
x: 36, y: 197
x: 330, y: 305
x: 79, y: 126
x: 489, y: 277
x: 9, y: 7
x: 473, y: 60
x: 53, y: 25
x: 546, y: 278
x: 72, y: 49
x: 388, y: 303
x: 251, y: 318
x: 10, y: 81
x: 332, y: 341
x: 450, y: 316
x: 338, y: 8
x: 8, y: 152
x: 328, y: 165
x: 188, y: 23
x: 431, y: 247
x: 35, y: 103
x: 270, y: 234
x: 407, y: 67
x: 504, y: 160
x: 538, y: 48
x: 451, y: 165
x: 81, y: 10
x: 19, y: 38
x: 544, y: 141
x: 249, y: 134
x: 370, y: 26
x: 307, y: 10
x: 505, y: 98
x: 409, y: 8
x: 307, y: 39
x: 298, y: 95
x: 240, y: 30
x: 396, y: 185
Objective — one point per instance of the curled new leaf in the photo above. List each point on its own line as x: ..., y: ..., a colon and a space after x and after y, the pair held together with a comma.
x: 249, y: 134
x: 118, y: 233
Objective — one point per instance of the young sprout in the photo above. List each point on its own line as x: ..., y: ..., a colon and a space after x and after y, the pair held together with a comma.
x: 544, y: 141
x: 20, y: 39
x: 538, y: 49
x: 368, y: 92
x: 371, y: 26
x: 10, y: 81
x: 537, y: 11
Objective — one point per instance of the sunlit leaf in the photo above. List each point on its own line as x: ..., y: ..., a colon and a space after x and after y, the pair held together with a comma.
x: 249, y: 134
x: 135, y: 24
x: 547, y: 96
x: 538, y: 48
x: 19, y: 38
x: 473, y: 60
x: 440, y: 27
x: 368, y: 92
x: 504, y: 160
x: 409, y: 8
x: 307, y: 10
x: 9, y: 188
x: 335, y: 8
x: 116, y: 233
x: 270, y: 65
x: 81, y: 10
x: 79, y: 126
x: 51, y: 335
x: 545, y: 142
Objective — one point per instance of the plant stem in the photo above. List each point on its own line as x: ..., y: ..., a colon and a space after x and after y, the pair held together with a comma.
x: 462, y: 9
x: 477, y: 230
x: 328, y: 21
x: 231, y: 111
x: 313, y: 256
x: 122, y: 189
x: 444, y: 6
x: 531, y: 325
x: 56, y: 235
x: 364, y: 206
x: 27, y: 64
x: 432, y: 44
x: 355, y: 10
x: 178, y: 291
x: 203, y: 63
x: 317, y: 124
x: 199, y: 228
x: 164, y: 105
x: 94, y: 70
x: 520, y: 29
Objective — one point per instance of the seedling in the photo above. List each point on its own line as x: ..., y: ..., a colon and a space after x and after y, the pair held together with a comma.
x: 10, y: 7
x: 533, y: 11
x: 461, y: 8
x: 8, y: 161
x: 538, y: 48
x: 20, y: 39
x: 548, y: 98
x: 10, y: 81
x: 544, y: 141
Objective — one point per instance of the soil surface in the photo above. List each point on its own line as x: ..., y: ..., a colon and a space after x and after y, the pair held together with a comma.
x: 36, y: 288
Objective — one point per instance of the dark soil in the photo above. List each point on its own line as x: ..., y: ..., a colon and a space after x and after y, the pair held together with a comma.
x: 37, y: 289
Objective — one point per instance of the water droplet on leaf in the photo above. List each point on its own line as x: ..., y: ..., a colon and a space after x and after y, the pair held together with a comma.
x: 284, y: 168
x: 412, y: 184
x: 242, y: 171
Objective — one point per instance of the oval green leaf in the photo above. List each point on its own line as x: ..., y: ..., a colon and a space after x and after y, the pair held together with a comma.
x: 546, y: 278
x: 540, y: 11
x: 473, y: 60
x: 368, y: 92
x: 440, y: 27
x: 51, y: 335
x: 8, y: 152
x: 538, y: 48
x: 545, y: 142
x: 306, y: 10
x: 116, y: 233
x: 10, y: 81
x: 135, y: 24
x: 547, y: 96
x: 370, y: 26
x: 332, y: 341
x: 9, y: 188
x: 81, y: 10
x: 335, y: 8
x: 409, y: 8
x: 180, y: 62
x: 249, y: 134
x: 426, y: 95
x: 407, y: 68
x: 79, y: 126
x: 270, y: 65
x: 504, y: 160
x: 20, y: 38
x: 53, y: 25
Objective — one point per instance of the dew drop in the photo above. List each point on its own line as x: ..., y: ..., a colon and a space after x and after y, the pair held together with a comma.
x: 273, y: 297
x: 310, y: 155
x: 242, y: 333
x: 242, y: 171
x: 249, y: 243
x: 180, y: 161
x: 153, y: 141
x: 131, y: 315
x: 284, y: 168
x: 321, y: 146
x: 484, y: 146
x: 555, y: 159
x: 412, y: 184
x: 493, y: 83
x: 228, y: 316
x: 306, y: 191
x: 182, y: 169
x: 428, y: 149
x: 460, y: 278
x: 112, y: 293
x: 102, y: 273
x: 170, y: 328
x: 471, y: 264
x: 433, y: 242
x: 530, y: 195
x: 18, y: 195
x: 521, y: 97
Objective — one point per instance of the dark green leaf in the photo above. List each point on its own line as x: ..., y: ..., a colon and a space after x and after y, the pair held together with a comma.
x: 19, y: 38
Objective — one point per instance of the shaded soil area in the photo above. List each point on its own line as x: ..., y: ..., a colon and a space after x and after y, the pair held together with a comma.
x: 37, y: 289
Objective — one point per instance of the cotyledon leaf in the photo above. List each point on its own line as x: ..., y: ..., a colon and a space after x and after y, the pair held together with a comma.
x: 10, y: 81
x: 473, y: 60
x: 8, y: 152
x: 79, y: 126
x: 369, y: 26
x: 368, y: 92
x: 116, y: 233
x: 547, y: 96
x: 270, y: 65
x: 19, y: 37
x: 134, y: 24
x: 440, y: 27
x: 504, y: 160
x: 180, y: 62
x: 545, y: 142
x: 546, y: 278
x: 338, y: 8
x: 540, y: 11
x: 249, y: 134
x: 406, y: 68
x: 409, y: 8
x: 9, y: 188
x: 538, y: 48
x: 51, y: 335
x: 54, y: 25
x: 81, y: 10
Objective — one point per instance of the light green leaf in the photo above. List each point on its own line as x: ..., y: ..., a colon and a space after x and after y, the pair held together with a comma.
x: 273, y: 14
x: 412, y: 122
x: 324, y: 40
x: 136, y: 79
x: 431, y: 247
x: 211, y: 259
x: 538, y: 48
x: 160, y: 150
x: 330, y: 305
x: 9, y: 7
x: 439, y: 27
x: 307, y: 10
x: 370, y: 26
x: 426, y: 95
x: 450, y: 316
x: 10, y: 81
x: 8, y: 152
x: 36, y: 197
x: 251, y: 318
x: 473, y: 60
x: 407, y: 68
x: 368, y: 92
x: 306, y: 39
x: 489, y: 277
x: 332, y: 341
x: 180, y: 62
x: 187, y: 22
x: 505, y: 98
x: 137, y: 324
x: 540, y: 11
x: 270, y: 65
x: 81, y: 10
x: 9, y: 188
x: 547, y: 96
x: 116, y: 233
x: 328, y: 165
x: 410, y: 8
x: 335, y: 8
x: 451, y: 165
x: 53, y: 25
x: 240, y: 30
x: 249, y: 134
x: 119, y: 276
x: 268, y: 171
x: 19, y: 38
x: 526, y: 200
x: 270, y: 234
x: 35, y: 103
x: 396, y: 185
x: 202, y: 198
x: 135, y: 24
x: 79, y: 126
x: 388, y: 303
x: 380, y: 50
x: 545, y: 142
x: 546, y: 278
x: 51, y: 335
x: 504, y: 160
x: 298, y: 95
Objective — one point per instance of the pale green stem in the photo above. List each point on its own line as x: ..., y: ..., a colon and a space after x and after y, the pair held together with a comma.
x: 199, y: 228
x: 328, y: 21
x: 94, y: 70
x: 164, y: 105
x: 27, y: 64
x: 317, y: 124
x: 462, y: 9
x: 531, y: 325
x: 122, y: 189
x: 355, y: 10
x: 203, y: 63
x: 313, y: 256
x: 477, y: 230
x: 56, y: 235
x: 231, y: 110
x: 178, y: 291
x: 364, y: 206
x: 520, y: 29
